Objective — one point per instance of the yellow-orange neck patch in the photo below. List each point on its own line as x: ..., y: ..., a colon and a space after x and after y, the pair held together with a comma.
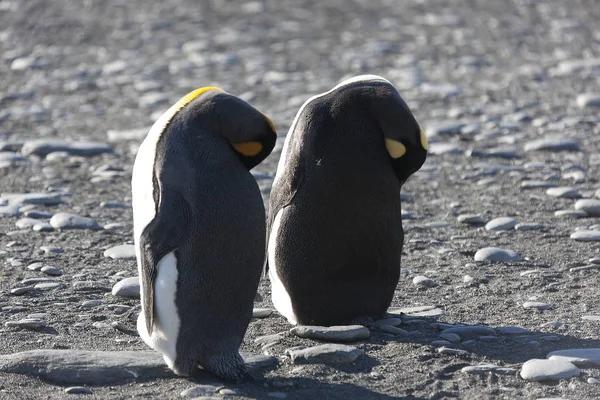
x: 247, y: 149
x: 424, y: 143
x: 395, y: 148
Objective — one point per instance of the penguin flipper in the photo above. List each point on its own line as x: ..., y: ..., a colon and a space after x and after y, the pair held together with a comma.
x: 283, y: 193
x: 162, y: 236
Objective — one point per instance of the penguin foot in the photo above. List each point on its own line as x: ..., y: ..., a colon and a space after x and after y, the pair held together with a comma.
x: 231, y: 368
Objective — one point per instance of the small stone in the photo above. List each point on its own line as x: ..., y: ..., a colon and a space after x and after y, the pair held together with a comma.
x: 91, y: 303
x: 494, y: 254
x: 113, y: 226
x: 590, y: 206
x: 451, y: 337
x: 536, y: 304
x: 127, y: 287
x: 586, y: 236
x: 49, y: 199
x: 585, y: 268
x: 537, y: 370
x: 444, y: 148
x: 346, y: 333
x: 21, y: 290
x: 26, y: 323
x: 552, y: 144
x: 570, y: 214
x: 43, y: 227
x: 528, y: 226
x: 138, y: 134
x: 121, y: 252
x: 277, y: 395
x: 444, y: 128
x: 51, y: 250
x: 47, y: 286
x: 591, y: 317
x: 32, y: 281
x: 327, y: 353
x: 470, y: 331
x: 392, y: 330
x: 416, y: 312
x: 423, y: 281
x: 471, y: 219
x: 261, y: 313
x: 564, y: 192
x: 26, y: 223
x: 478, y: 369
x: 536, y: 184
x: 200, y: 390
x: 451, y: 351
x: 51, y: 270
x: 387, y: 322
x: 588, y: 100
x: 43, y: 147
x: 64, y: 220
x: 582, y: 358
x: 501, y: 224
x: 78, y: 390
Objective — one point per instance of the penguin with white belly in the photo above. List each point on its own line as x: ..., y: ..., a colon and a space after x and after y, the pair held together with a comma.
x: 199, y: 227
x: 334, y: 223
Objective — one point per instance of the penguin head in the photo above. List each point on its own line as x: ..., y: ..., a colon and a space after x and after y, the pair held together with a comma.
x: 404, y: 139
x: 249, y: 132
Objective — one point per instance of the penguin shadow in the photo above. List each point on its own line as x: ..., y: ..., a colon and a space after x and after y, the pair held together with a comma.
x: 514, y: 347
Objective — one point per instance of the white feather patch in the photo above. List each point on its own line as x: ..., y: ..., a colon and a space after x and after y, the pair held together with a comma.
x: 166, y: 317
x: 279, y: 295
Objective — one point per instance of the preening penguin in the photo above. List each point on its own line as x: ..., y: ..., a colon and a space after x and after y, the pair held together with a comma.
x: 335, y: 226
x: 199, y: 227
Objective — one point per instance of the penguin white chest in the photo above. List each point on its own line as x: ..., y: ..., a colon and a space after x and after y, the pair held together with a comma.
x: 279, y: 295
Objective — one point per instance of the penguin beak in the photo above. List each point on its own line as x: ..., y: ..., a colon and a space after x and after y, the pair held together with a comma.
x: 395, y: 148
x: 248, y: 149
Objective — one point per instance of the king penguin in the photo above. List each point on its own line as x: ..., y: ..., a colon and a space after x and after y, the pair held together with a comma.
x: 334, y: 224
x: 199, y: 228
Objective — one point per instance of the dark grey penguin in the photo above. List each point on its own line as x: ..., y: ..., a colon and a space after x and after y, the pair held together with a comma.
x: 199, y: 227
x: 334, y: 223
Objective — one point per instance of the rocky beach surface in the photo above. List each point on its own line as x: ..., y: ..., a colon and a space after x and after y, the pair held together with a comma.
x: 499, y: 296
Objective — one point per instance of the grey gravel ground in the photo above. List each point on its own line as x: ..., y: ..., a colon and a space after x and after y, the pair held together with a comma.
x: 507, y: 91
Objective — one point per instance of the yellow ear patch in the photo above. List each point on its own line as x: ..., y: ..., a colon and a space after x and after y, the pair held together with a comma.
x: 247, y: 149
x: 270, y: 123
x: 395, y: 148
x: 424, y: 140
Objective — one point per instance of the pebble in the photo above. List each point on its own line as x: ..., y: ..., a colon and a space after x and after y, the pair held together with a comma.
x: 570, y: 214
x: 51, y: 270
x: 536, y: 304
x: 127, y: 287
x: 43, y: 147
x: 471, y: 219
x: 451, y: 351
x: 387, y: 322
x: 451, y: 337
x: 48, y: 199
x: 91, y: 303
x: 590, y: 206
x: 528, y: 226
x: 51, y: 250
x: 21, y: 290
x: 588, y: 100
x: 116, y: 136
x: 78, y: 390
x: 495, y: 254
x: 444, y: 128
x: 47, y: 286
x: 584, y: 268
x: 327, y: 353
x: 565, y: 192
x: 552, y: 144
x: 31, y: 281
x: 537, y: 184
x: 261, y: 313
x: 582, y: 358
x: 591, y: 317
x: 346, y: 333
x: 470, y: 331
x: 501, y: 224
x: 416, y: 312
x: 63, y: 220
x: 392, y: 330
x: 423, y: 281
x: 536, y: 370
x: 26, y: 323
x: 121, y: 252
x: 26, y: 223
x: 483, y: 368
x: 586, y: 236
x: 43, y: 227
x: 200, y: 390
